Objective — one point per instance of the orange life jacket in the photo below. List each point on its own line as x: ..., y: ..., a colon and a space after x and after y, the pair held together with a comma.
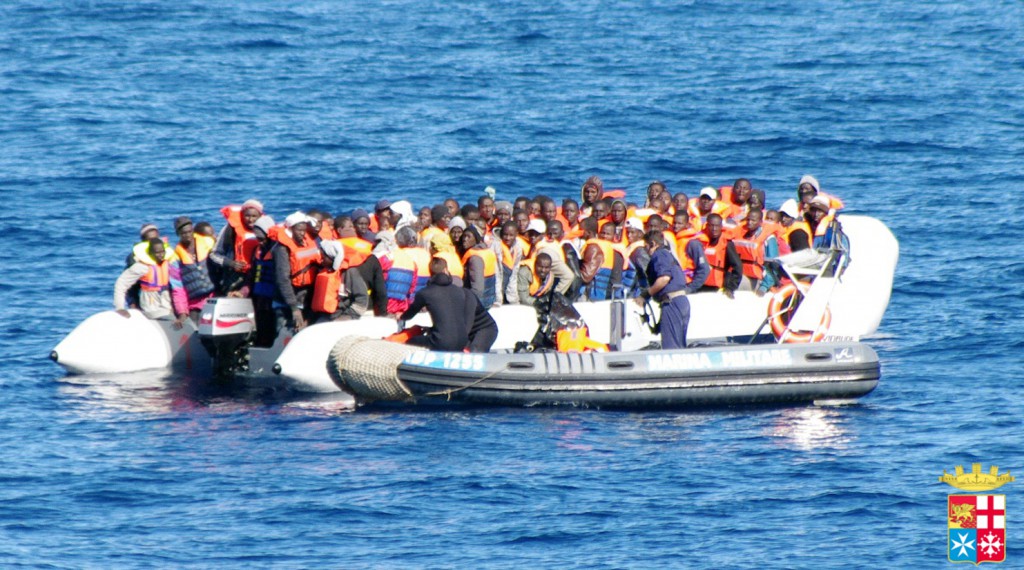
x: 697, y: 219
x: 683, y: 238
x: 304, y: 259
x: 421, y: 257
x: 454, y: 263
x: 325, y: 291
x: 798, y: 224
x: 716, y: 259
x: 537, y: 287
x: 245, y: 240
x: 751, y: 251
x: 602, y: 286
x: 577, y: 340
x: 356, y: 251
x: 490, y: 272
x: 157, y: 279
x: 327, y: 230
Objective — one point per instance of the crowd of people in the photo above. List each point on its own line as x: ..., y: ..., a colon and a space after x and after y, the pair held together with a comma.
x: 457, y: 261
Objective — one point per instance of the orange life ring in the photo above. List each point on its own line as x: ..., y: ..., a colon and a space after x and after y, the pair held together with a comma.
x: 781, y: 308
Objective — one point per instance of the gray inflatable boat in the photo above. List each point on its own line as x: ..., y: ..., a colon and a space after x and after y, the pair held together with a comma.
x: 693, y: 377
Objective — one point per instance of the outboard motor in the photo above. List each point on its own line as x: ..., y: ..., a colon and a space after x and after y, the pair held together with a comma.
x: 226, y: 328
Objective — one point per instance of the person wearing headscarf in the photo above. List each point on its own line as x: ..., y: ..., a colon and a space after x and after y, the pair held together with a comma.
x: 236, y: 244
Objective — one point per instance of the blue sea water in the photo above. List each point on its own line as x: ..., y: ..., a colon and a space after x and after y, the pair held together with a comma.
x: 121, y: 113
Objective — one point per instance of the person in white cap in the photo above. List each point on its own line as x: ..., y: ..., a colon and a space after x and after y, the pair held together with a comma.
x: 795, y: 231
x: 819, y: 218
x: 809, y: 188
x: 705, y: 204
x: 296, y: 261
x: 235, y: 244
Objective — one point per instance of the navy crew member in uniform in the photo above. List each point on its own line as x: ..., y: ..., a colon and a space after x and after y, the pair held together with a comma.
x: 669, y: 286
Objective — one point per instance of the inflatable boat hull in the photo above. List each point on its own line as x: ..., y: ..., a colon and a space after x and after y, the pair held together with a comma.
x: 710, y: 377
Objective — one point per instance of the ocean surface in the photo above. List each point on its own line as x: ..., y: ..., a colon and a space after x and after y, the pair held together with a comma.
x: 116, y: 114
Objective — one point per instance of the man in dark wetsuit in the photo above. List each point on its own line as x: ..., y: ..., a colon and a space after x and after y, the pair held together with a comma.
x: 483, y: 330
x: 669, y: 286
x: 450, y: 313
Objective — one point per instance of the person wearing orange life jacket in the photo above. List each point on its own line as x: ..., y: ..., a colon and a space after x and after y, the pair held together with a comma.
x: 617, y: 218
x: 680, y: 201
x: 235, y: 244
x: 536, y: 280
x: 407, y: 240
x: 511, y: 255
x: 340, y: 293
x: 663, y: 206
x: 549, y: 212
x: 359, y: 255
x: 737, y: 198
x: 571, y: 214
x: 565, y: 257
x: 303, y: 264
x: 485, y: 205
x: 653, y: 190
x: 683, y: 231
x: 151, y: 271
x: 704, y: 205
x: 399, y: 270
x: 726, y: 267
x: 795, y: 231
x: 480, y: 267
x: 755, y: 242
x: 441, y: 246
x: 503, y: 211
x: 602, y: 266
x: 808, y: 189
x: 382, y: 218
x: 140, y: 251
x: 439, y: 219
x: 190, y: 268
x: 820, y: 219
x: 564, y: 276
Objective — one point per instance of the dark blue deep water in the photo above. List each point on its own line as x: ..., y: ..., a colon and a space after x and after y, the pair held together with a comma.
x: 120, y: 113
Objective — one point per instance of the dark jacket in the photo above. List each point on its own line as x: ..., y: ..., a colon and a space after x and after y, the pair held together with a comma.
x: 451, y: 314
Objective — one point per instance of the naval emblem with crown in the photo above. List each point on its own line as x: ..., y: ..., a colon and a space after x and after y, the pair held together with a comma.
x: 976, y: 523
x: 976, y: 480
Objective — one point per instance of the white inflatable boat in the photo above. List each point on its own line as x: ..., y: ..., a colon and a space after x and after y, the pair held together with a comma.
x: 845, y: 301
